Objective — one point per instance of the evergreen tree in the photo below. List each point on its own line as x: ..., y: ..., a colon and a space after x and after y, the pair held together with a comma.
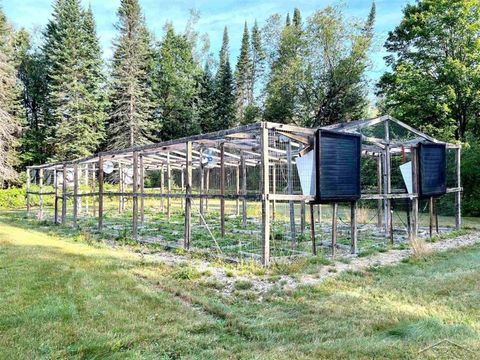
x: 9, y: 96
x: 224, y: 89
x: 243, y: 76
x: 130, y: 117
x: 297, y: 18
x: 76, y: 118
x: 175, y: 86
x: 282, y: 88
x: 207, y: 100
x: 258, y: 61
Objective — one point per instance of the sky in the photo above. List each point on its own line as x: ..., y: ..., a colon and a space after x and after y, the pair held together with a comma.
x: 214, y: 15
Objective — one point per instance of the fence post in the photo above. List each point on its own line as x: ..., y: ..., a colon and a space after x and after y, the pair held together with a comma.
x: 265, y: 197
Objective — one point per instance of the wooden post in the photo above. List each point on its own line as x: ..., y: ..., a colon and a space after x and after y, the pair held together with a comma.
x: 169, y: 185
x: 222, y: 189
x: 202, y: 183
x: 244, y: 190
x: 430, y: 208
x: 207, y: 188
x: 265, y: 200
x: 142, y: 189
x: 162, y: 189
x: 182, y: 182
x: 94, y: 187
x: 237, y: 189
x: 380, y: 191
x: 415, y: 189
x: 120, y: 187
x: 135, y: 197
x: 188, y: 199
x: 436, y: 214
x: 312, y: 229
x: 75, y: 194
x: 86, y: 184
x: 353, y: 224
x: 291, y: 204
x: 64, y: 195
x: 387, y: 191
x: 302, y: 217
x: 55, y: 210
x: 28, y: 191
x: 274, y: 190
x: 334, y: 228
x: 100, y: 192
x: 40, y: 182
x: 458, y: 194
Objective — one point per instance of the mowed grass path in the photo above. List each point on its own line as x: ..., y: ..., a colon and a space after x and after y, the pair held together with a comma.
x: 61, y: 298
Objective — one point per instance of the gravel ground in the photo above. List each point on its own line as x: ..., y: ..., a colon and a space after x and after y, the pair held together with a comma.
x: 262, y: 284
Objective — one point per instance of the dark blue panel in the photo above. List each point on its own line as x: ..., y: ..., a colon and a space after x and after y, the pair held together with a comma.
x: 432, y: 169
x: 338, y: 177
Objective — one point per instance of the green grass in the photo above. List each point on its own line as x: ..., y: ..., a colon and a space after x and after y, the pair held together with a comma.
x: 70, y: 297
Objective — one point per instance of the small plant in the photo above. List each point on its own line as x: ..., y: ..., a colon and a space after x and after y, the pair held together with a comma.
x: 186, y: 272
x: 243, y: 285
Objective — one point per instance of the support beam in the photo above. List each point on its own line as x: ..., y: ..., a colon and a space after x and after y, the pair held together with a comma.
x: 28, y: 191
x: 75, y: 194
x: 100, y: 192
x: 274, y: 190
x: 135, y: 196
x: 291, y: 204
x: 458, y: 195
x: 334, y: 228
x: 202, y: 184
x: 64, y: 195
x: 380, y: 191
x: 55, y: 210
x: 353, y: 225
x: 312, y: 229
x: 142, y: 189
x: 169, y: 185
x: 237, y: 189
x: 431, y: 215
x: 414, y: 201
x: 86, y: 184
x: 265, y: 201
x: 188, y: 200
x: 162, y: 188
x: 244, y: 190
x: 207, y: 188
x: 121, y: 188
x: 40, y: 183
x: 222, y: 189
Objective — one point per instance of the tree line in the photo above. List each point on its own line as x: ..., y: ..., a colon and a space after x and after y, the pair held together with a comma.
x: 60, y: 99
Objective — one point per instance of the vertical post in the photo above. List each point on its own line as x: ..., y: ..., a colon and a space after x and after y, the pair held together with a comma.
x: 387, y: 190
x: 142, y: 189
x: 334, y: 228
x: 135, y: 196
x: 64, y: 195
x: 274, y: 190
x: 188, y: 199
x: 40, y: 182
x: 222, y: 189
x: 75, y: 194
x: 302, y: 216
x: 353, y: 224
x: 202, y: 182
x: 436, y: 214
x: 169, y: 184
x: 162, y: 188
x: 207, y: 187
x: 430, y: 208
x: 237, y: 189
x: 415, y: 189
x: 312, y: 229
x: 458, y: 194
x: 55, y: 210
x: 94, y: 187
x: 290, y: 192
x: 265, y: 200
x: 120, y: 187
x: 182, y: 182
x: 28, y: 191
x: 244, y: 190
x: 86, y: 184
x: 100, y: 193
x: 380, y: 191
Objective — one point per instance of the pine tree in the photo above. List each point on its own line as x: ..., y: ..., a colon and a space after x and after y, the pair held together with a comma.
x: 9, y: 96
x: 207, y: 100
x: 243, y: 76
x: 297, y: 18
x: 224, y: 89
x: 175, y: 86
x: 73, y: 62
x: 130, y: 118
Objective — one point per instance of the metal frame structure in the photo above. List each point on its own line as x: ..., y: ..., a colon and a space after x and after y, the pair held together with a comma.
x: 240, y: 148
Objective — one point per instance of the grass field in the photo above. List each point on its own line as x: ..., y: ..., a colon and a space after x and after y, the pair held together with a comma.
x: 67, y: 297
